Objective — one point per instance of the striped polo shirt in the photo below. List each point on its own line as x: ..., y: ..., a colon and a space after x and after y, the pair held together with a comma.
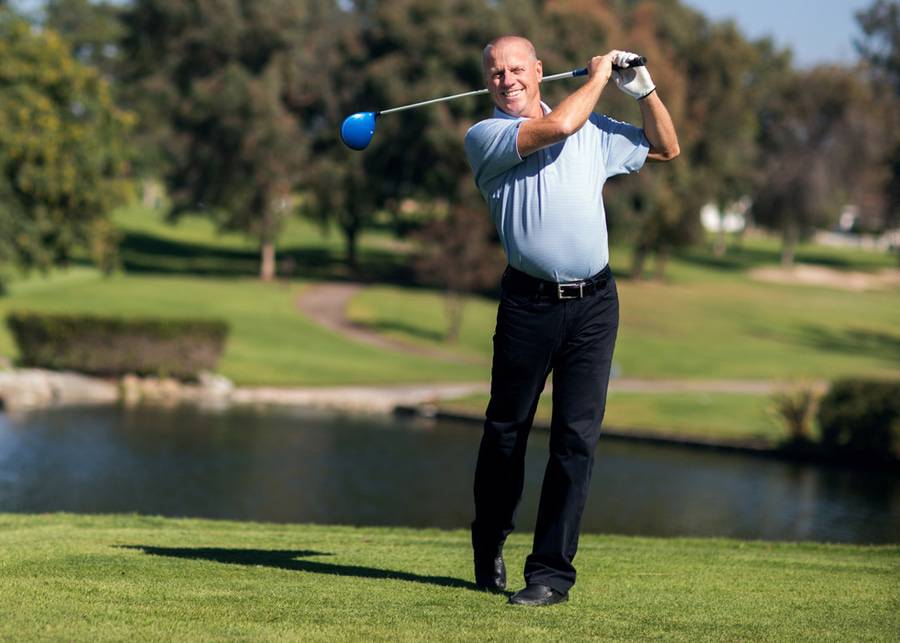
x: 548, y: 207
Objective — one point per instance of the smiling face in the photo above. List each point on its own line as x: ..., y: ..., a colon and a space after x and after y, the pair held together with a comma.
x: 513, y: 76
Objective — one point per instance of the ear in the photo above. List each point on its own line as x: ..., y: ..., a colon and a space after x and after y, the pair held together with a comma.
x: 539, y: 67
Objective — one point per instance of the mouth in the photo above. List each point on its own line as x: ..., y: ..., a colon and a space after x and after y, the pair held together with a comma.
x: 512, y: 93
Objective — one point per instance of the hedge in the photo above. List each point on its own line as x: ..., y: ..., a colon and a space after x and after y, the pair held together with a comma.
x: 110, y: 346
x: 861, y: 418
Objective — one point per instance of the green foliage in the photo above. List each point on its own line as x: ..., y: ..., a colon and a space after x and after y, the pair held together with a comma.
x: 112, y: 346
x: 795, y: 408
x: 819, y: 137
x: 93, y: 29
x: 62, y: 148
x: 880, y: 23
x: 215, y: 82
x: 880, y: 47
x: 383, y: 55
x: 861, y: 418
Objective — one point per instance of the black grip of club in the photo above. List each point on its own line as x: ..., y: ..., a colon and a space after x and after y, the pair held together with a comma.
x: 637, y: 61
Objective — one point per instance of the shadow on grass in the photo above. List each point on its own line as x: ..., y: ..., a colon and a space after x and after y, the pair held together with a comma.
x: 849, y: 341
x: 735, y: 260
x: 289, y: 559
x: 144, y: 253
x: 854, y: 341
x: 741, y: 259
x: 407, y: 329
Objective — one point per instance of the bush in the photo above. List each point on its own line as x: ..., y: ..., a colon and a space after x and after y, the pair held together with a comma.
x: 795, y: 408
x: 861, y: 418
x: 110, y: 346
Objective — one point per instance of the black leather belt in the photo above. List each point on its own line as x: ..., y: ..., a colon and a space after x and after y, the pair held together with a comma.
x: 518, y: 282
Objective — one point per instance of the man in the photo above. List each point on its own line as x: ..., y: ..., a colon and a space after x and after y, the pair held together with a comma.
x: 541, y: 172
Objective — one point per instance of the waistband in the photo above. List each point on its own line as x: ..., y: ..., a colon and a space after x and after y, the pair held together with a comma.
x: 521, y: 283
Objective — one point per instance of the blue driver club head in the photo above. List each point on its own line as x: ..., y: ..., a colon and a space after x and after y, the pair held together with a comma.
x: 358, y: 129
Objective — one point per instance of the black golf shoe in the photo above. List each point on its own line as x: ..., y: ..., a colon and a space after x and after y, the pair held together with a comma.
x: 536, y: 595
x: 490, y: 573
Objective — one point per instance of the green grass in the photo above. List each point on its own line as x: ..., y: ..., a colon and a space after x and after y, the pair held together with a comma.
x: 269, y: 343
x: 713, y: 329
x: 726, y: 416
x: 115, y: 577
x: 193, y: 245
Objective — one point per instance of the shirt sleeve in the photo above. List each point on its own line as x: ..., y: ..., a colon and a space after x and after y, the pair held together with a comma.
x: 624, y: 146
x: 491, y: 148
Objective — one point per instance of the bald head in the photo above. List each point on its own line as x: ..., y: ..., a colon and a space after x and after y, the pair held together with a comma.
x: 507, y: 41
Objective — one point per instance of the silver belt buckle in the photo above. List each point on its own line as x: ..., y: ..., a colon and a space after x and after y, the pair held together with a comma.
x: 561, y: 295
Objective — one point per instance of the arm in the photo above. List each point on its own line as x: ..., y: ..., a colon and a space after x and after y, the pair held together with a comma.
x: 659, y: 129
x: 657, y: 123
x: 571, y: 114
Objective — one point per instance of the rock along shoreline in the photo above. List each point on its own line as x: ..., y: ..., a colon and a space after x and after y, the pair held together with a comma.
x: 27, y: 389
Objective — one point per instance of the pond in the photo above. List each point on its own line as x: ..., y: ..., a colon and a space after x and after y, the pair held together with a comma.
x: 302, y: 466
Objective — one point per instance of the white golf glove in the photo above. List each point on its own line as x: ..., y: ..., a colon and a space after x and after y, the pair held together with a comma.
x: 634, y: 81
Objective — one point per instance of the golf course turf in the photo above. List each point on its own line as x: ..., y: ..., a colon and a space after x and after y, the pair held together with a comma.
x: 82, y: 577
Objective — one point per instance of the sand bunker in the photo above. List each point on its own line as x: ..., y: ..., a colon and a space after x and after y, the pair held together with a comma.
x: 805, y: 275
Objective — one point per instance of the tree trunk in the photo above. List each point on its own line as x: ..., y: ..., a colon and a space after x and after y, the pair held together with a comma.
x: 267, y: 260
x: 789, y: 246
x: 454, y: 303
x: 351, y: 232
x: 638, y: 258
x: 662, y: 260
x: 719, y: 245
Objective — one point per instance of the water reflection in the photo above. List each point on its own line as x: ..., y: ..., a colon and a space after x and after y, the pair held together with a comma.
x: 293, y: 466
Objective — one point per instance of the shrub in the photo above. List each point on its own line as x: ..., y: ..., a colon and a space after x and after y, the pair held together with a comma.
x: 795, y: 408
x: 110, y: 346
x: 861, y: 418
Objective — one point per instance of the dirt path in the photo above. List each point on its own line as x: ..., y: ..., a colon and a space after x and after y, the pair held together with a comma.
x: 326, y: 304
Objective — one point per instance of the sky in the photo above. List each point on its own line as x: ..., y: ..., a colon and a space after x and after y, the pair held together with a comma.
x: 818, y: 31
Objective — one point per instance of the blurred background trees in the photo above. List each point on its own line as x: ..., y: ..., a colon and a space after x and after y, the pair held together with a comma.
x: 63, y: 152
x: 237, y: 108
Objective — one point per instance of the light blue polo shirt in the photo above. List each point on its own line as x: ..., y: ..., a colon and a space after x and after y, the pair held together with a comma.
x: 548, y: 207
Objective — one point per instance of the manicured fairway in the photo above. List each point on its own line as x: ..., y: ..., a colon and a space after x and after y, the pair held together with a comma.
x: 88, y: 578
x: 270, y: 341
x: 729, y: 329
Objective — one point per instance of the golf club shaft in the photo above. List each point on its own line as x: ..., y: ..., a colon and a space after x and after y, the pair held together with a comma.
x: 566, y: 74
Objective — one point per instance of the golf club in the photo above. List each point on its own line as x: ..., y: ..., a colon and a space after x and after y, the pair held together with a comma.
x: 358, y: 129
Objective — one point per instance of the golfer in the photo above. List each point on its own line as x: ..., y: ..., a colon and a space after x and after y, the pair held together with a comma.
x: 542, y: 172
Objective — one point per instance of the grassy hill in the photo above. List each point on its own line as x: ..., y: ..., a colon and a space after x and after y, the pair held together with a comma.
x: 117, y: 577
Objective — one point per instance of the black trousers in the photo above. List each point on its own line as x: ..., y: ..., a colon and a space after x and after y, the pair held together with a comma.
x: 536, y: 335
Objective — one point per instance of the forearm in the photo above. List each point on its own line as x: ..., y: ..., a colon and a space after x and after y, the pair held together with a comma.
x: 659, y: 129
x: 568, y: 117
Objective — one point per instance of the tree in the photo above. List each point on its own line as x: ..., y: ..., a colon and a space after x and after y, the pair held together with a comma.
x: 881, y: 45
x: 212, y: 79
x: 94, y: 29
x: 62, y: 151
x: 881, y: 49
x: 459, y: 254
x: 818, y: 141
x: 383, y: 54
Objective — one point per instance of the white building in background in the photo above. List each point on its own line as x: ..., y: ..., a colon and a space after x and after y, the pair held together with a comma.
x: 732, y: 219
x: 843, y: 234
